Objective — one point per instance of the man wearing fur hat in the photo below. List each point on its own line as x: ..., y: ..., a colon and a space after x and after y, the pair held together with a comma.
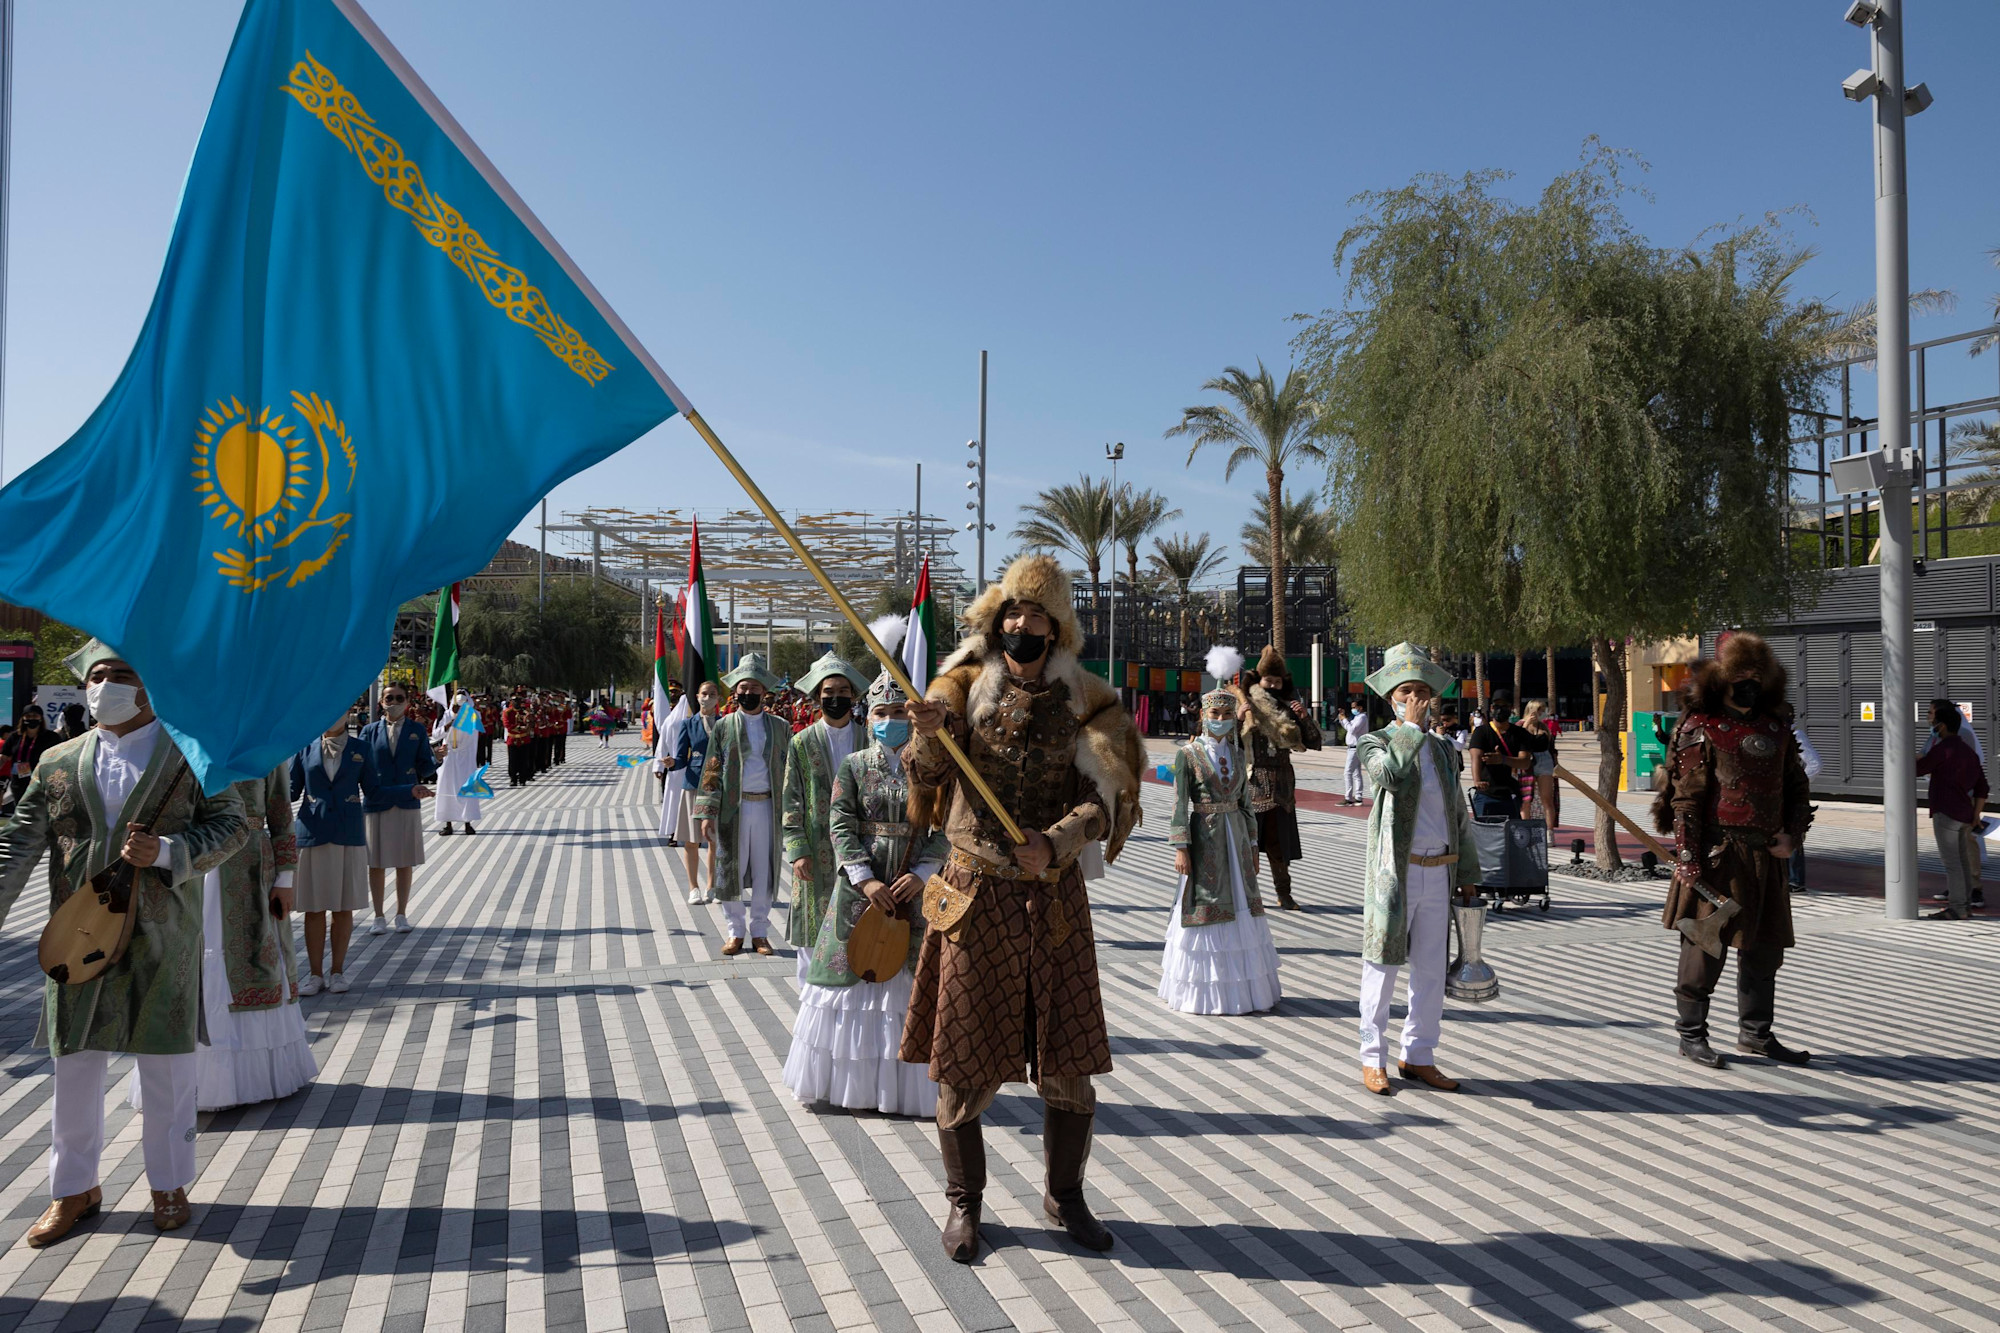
x: 122, y: 791
x: 1737, y: 804
x: 1006, y: 984
x: 832, y: 684
x: 1419, y: 846
x: 1279, y: 724
x: 744, y: 773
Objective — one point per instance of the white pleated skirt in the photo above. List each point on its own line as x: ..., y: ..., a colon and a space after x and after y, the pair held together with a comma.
x: 844, y: 1047
x: 1227, y: 967
x: 258, y: 1055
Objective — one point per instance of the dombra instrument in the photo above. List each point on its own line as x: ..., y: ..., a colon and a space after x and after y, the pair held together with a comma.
x: 92, y: 928
x: 878, y: 946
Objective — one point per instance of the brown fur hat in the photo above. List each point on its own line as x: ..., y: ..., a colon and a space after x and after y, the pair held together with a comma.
x: 1708, y: 684
x: 1271, y: 662
x: 1031, y: 578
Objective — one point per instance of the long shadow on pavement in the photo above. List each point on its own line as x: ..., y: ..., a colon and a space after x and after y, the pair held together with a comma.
x: 1787, y: 1110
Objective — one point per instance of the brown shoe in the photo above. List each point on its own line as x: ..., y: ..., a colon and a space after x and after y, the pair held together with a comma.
x: 763, y: 946
x: 1376, y: 1080
x: 63, y: 1214
x: 171, y: 1211
x: 734, y: 947
x: 1427, y: 1075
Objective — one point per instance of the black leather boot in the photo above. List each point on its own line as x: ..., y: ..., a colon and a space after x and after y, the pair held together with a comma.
x: 1065, y: 1148
x: 964, y: 1152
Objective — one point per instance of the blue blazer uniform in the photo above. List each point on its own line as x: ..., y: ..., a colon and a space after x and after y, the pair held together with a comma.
x: 331, y: 808
x: 399, y: 768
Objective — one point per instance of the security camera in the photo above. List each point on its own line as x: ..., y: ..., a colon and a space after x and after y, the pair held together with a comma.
x: 1861, y: 85
x: 1864, y: 13
x: 1917, y: 100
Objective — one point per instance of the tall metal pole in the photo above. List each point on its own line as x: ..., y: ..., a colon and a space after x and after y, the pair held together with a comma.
x: 542, y: 564
x: 6, y: 175
x: 1892, y: 411
x: 1111, y: 615
x: 917, y: 525
x: 979, y: 584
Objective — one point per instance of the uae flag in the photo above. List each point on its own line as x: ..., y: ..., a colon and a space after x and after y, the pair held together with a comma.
x: 693, y: 635
x: 662, y: 669
x: 444, y: 648
x: 917, y: 641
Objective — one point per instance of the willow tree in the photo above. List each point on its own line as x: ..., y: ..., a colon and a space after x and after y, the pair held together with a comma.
x: 1548, y: 429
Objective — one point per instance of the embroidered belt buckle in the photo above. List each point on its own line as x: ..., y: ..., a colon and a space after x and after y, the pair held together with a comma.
x: 945, y: 905
x: 873, y: 829
x: 1211, y: 807
x: 756, y: 796
x: 1450, y: 858
x: 968, y: 861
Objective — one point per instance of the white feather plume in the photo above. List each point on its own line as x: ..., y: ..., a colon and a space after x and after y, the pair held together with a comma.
x: 889, y: 631
x: 1224, y: 662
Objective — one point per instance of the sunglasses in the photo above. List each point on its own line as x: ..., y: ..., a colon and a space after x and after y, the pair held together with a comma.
x: 394, y: 698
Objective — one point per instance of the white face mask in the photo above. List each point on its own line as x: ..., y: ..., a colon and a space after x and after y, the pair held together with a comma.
x: 113, y: 704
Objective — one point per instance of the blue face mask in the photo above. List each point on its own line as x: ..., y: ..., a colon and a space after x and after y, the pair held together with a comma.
x: 890, y: 731
x: 1219, y: 726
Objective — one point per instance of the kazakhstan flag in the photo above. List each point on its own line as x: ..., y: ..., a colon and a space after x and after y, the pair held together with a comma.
x: 355, y: 310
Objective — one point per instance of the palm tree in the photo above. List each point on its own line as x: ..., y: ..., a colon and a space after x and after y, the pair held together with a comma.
x: 1139, y: 515
x: 1076, y: 519
x: 1180, y: 562
x: 1307, y: 529
x: 1271, y: 425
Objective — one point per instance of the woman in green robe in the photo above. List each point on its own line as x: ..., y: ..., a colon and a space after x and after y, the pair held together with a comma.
x: 846, y: 1037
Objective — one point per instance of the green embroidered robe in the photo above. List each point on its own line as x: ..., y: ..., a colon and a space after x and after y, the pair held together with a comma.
x: 149, y: 1002
x: 721, y: 795
x: 256, y: 946
x: 1389, y: 757
x: 809, y: 773
x: 1210, y: 895
x: 869, y: 822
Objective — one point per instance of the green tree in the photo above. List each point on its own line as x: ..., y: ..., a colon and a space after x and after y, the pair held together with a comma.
x: 1306, y: 531
x: 1075, y: 519
x: 576, y: 641
x: 791, y: 657
x: 1272, y: 425
x: 1140, y: 514
x: 891, y: 601
x: 1178, y: 563
x: 1491, y: 353
x: 53, y: 642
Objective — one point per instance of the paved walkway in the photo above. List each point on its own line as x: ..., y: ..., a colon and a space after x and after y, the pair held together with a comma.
x: 555, y: 1106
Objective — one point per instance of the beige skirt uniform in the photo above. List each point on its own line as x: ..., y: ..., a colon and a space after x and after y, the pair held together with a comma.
x: 331, y: 878
x: 395, y: 839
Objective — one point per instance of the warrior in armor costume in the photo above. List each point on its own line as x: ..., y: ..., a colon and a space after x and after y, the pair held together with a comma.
x: 1006, y: 985
x: 1736, y: 803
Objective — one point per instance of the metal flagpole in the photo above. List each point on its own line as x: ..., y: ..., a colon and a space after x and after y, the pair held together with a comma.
x: 6, y: 174
x: 840, y: 602
x: 542, y: 565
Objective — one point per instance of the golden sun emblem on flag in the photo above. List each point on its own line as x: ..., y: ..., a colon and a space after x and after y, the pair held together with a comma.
x: 272, y: 489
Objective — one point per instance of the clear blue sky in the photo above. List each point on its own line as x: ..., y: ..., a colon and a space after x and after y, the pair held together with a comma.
x: 816, y: 215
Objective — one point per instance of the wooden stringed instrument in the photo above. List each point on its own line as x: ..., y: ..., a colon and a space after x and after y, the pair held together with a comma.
x: 92, y: 928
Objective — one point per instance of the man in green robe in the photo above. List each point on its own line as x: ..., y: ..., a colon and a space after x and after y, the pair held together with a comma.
x: 833, y: 685
x: 744, y: 774
x: 122, y: 790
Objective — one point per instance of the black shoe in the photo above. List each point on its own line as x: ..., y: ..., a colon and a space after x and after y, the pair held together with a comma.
x: 469, y: 830
x: 445, y: 832
x: 1978, y: 898
x: 1946, y: 914
x: 1066, y: 1139
x: 673, y: 842
x: 1702, y: 1053
x: 1773, y: 1049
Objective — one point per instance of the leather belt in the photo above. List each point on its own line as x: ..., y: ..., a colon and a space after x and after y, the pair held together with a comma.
x: 967, y: 861
x: 1212, y: 807
x: 756, y: 796
x: 874, y: 829
x: 1448, y: 859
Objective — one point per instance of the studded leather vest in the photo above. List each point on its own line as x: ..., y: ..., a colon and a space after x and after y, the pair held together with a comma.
x: 1026, y: 752
x: 1749, y: 759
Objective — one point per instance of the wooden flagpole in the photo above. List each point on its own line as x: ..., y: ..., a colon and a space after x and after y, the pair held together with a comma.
x: 882, y: 655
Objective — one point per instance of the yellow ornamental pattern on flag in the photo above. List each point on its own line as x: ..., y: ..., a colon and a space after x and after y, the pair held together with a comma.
x: 271, y: 490
x: 315, y: 88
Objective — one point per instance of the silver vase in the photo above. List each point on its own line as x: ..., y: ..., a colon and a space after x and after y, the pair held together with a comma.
x: 1471, y: 977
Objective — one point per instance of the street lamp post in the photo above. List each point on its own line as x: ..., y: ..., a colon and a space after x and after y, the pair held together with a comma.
x: 977, y: 486
x: 1893, y: 101
x: 1114, y: 452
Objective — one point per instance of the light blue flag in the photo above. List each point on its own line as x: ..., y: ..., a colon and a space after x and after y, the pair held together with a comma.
x: 632, y: 760
x: 468, y: 720
x: 355, y: 311
x: 477, y: 787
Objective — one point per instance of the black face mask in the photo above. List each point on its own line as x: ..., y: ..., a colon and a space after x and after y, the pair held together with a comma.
x: 750, y: 703
x: 1744, y: 694
x: 1027, y: 649
x: 836, y: 706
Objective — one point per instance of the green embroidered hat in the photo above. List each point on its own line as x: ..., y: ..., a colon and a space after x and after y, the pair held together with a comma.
x: 751, y: 668
x: 83, y: 659
x: 830, y: 665
x: 1407, y: 662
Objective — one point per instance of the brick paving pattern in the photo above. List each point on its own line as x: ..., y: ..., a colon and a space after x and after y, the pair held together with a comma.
x: 554, y: 1105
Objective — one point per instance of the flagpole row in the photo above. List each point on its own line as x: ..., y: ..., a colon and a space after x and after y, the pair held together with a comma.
x: 883, y: 655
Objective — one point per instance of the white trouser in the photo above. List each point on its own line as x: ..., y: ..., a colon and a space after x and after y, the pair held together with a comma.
x: 1430, y: 938
x: 805, y: 961
x: 1357, y: 782
x: 168, y: 1088
x: 753, y: 870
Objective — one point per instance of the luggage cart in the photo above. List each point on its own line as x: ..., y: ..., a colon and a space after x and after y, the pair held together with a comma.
x: 1513, y: 861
